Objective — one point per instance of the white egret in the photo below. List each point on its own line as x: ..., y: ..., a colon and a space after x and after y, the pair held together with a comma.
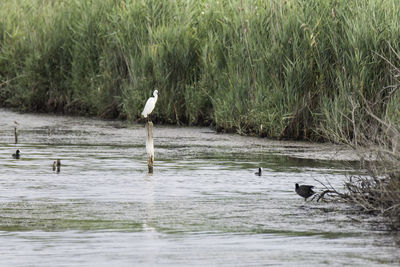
x: 150, y: 104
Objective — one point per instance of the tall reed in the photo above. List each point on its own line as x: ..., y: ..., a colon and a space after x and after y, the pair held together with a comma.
x: 281, y: 68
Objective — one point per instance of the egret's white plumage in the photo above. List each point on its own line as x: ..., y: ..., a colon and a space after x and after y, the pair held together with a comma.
x: 150, y: 104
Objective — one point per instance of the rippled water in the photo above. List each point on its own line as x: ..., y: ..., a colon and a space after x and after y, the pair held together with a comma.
x: 203, y: 206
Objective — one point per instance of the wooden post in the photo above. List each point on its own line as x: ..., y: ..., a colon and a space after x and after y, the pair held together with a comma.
x: 16, y: 134
x: 16, y: 131
x: 150, y: 146
x: 58, y: 165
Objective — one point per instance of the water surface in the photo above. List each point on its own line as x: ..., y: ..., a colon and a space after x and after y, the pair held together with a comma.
x: 203, y: 206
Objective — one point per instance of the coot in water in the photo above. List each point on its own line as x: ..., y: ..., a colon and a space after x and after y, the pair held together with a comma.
x: 259, y: 171
x: 304, y: 190
x: 16, y: 155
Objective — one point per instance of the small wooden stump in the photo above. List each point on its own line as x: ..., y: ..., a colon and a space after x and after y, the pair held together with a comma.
x: 16, y: 131
x: 16, y: 134
x: 57, y: 165
x: 150, y: 146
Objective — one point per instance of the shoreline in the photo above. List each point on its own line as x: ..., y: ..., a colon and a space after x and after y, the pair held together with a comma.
x: 187, y: 135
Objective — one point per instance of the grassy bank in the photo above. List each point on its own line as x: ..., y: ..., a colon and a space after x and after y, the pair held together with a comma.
x: 288, y: 69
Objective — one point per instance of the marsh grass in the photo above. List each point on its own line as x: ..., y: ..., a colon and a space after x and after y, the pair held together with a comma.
x: 282, y: 69
x: 376, y: 140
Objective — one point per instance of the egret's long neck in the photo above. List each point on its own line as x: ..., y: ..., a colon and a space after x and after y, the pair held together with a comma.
x: 155, y: 97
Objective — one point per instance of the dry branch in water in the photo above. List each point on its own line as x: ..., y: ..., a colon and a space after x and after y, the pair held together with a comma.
x: 330, y: 190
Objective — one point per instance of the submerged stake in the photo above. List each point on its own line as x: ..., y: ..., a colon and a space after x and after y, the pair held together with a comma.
x: 16, y: 132
x: 57, y: 165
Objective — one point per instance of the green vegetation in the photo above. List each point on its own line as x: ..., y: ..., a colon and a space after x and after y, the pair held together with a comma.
x: 282, y: 69
x: 377, y: 141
